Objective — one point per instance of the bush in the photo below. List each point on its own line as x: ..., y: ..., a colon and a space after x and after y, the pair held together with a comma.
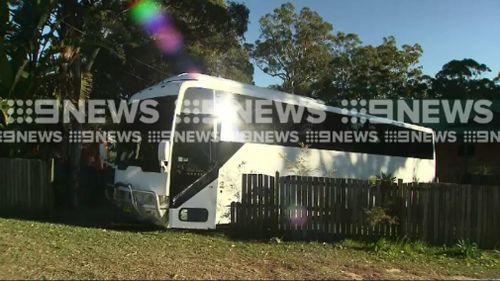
x: 468, y: 250
x: 379, y: 216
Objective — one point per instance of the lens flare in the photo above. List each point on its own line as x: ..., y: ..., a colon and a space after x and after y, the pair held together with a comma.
x: 297, y: 215
x: 194, y: 70
x: 143, y: 11
x: 158, y: 25
x: 169, y: 40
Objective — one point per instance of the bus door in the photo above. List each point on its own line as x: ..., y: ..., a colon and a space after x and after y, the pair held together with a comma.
x: 194, y: 170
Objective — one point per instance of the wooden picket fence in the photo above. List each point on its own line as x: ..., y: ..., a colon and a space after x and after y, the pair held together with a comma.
x: 297, y: 207
x: 25, y: 187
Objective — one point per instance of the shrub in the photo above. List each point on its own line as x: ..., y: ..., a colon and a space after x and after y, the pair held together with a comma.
x: 468, y: 250
x: 379, y: 216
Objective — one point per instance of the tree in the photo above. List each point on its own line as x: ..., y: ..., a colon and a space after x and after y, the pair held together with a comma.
x: 464, y: 79
x: 22, y: 45
x: 302, y: 51
x: 212, y: 32
x: 69, y: 86
x: 368, y: 72
x: 24, y: 56
x: 294, y: 47
x: 466, y: 69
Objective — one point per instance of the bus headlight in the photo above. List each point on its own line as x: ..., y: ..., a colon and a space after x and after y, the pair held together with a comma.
x: 143, y: 198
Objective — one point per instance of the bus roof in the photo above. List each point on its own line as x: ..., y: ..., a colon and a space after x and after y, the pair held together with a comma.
x: 171, y: 86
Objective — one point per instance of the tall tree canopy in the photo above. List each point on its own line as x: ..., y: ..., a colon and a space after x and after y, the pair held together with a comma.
x: 363, y: 72
x: 294, y: 47
x: 301, y: 49
x: 465, y: 79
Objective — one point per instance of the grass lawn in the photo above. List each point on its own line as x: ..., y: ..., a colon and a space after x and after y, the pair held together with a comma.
x: 34, y: 250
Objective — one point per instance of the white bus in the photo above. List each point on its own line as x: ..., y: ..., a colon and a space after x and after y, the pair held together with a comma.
x: 187, y: 180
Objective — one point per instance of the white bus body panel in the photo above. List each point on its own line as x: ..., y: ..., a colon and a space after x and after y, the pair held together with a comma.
x: 268, y: 159
x: 205, y: 199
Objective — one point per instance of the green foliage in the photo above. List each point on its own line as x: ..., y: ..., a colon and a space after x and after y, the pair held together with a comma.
x: 213, y: 33
x: 387, y: 178
x: 388, y: 213
x: 302, y: 50
x: 380, y: 216
x: 465, y: 69
x: 383, y: 179
x: 23, y: 45
x: 464, y: 79
x: 86, y: 85
x: 468, y: 250
x: 362, y: 72
x: 294, y: 47
x: 382, y: 245
x: 402, y: 247
x: 107, y: 44
x: 463, y: 249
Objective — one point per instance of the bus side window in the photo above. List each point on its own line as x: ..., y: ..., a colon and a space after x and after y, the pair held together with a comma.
x: 198, y: 101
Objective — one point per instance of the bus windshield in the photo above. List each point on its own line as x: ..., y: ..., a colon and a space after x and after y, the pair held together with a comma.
x: 145, y: 153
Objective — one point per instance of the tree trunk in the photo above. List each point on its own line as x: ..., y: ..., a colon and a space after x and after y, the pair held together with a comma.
x: 71, y: 71
x: 75, y: 152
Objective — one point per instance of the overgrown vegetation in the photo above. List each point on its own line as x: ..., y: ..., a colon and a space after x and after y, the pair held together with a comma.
x: 462, y: 250
x: 386, y: 180
x: 380, y: 216
x: 36, y: 250
x: 387, y: 214
x: 468, y: 249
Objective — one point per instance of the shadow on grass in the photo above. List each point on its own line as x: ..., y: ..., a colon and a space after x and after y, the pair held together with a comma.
x: 102, y: 216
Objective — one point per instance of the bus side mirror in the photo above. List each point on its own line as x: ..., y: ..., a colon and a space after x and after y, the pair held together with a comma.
x: 102, y: 151
x: 163, y: 151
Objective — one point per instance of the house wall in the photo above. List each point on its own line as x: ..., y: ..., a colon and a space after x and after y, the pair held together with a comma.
x: 452, y: 165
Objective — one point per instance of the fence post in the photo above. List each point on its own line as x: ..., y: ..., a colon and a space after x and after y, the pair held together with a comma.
x: 50, y: 187
x: 233, y: 222
x: 402, y: 217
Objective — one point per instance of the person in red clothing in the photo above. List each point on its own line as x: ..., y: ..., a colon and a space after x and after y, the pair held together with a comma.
x: 92, y: 174
x: 91, y: 157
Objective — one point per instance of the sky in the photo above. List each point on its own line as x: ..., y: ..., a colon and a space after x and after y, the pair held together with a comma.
x: 446, y: 29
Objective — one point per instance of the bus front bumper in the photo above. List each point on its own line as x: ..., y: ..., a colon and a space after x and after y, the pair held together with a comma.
x: 145, y: 204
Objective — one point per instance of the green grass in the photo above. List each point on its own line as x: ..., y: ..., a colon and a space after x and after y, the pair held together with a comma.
x: 34, y: 250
